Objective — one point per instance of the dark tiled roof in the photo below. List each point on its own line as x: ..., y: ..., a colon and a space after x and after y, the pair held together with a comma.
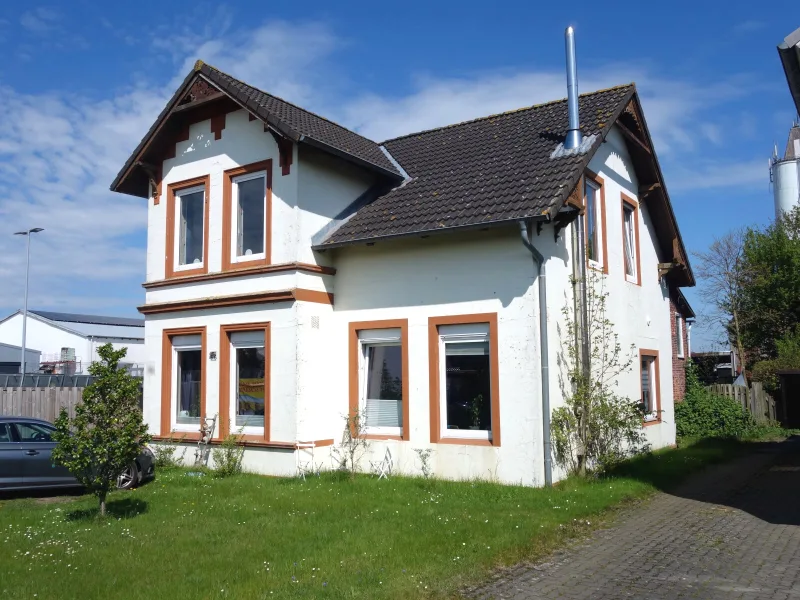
x: 298, y: 121
x: 492, y: 169
x: 92, y: 319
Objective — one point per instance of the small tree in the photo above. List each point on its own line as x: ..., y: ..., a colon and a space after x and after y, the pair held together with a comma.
x: 354, y: 443
x: 107, y: 432
x: 722, y: 276
x: 595, y: 426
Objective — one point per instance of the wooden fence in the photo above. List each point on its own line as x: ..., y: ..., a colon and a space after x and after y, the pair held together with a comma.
x: 40, y: 403
x: 760, y: 404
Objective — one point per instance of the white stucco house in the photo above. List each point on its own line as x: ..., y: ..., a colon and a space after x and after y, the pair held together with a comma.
x: 297, y: 271
x: 68, y: 342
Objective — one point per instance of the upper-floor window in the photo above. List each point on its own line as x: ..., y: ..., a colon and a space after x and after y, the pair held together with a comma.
x: 249, y: 204
x: 190, y: 223
x: 595, y: 222
x: 630, y: 239
x: 246, y: 200
x: 187, y: 227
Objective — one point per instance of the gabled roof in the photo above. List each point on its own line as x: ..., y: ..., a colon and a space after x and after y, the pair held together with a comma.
x: 290, y: 121
x: 493, y: 169
x: 91, y: 319
x: 504, y: 168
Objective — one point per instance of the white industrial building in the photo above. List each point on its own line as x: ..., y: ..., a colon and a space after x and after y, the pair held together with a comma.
x: 68, y: 342
x: 785, y: 174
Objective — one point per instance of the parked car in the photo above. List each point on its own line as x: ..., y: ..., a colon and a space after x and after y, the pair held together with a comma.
x: 25, y: 458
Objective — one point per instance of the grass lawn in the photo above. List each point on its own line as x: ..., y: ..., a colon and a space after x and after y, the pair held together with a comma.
x: 253, y: 537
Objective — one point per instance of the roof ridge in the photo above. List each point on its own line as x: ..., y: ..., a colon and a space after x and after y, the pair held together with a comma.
x: 507, y: 112
x: 297, y: 106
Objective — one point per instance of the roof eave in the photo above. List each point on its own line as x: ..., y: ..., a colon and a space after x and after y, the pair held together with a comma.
x: 429, y: 232
x: 790, y: 59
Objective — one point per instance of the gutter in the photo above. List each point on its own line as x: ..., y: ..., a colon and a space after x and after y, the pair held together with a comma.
x: 526, y: 232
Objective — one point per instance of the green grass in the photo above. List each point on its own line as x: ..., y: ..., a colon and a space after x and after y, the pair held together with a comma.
x: 255, y: 537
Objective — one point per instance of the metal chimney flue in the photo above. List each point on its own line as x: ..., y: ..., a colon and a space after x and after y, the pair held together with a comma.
x: 574, y: 136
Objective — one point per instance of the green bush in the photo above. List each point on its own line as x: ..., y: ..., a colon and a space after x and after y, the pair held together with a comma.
x: 228, y: 457
x: 704, y: 414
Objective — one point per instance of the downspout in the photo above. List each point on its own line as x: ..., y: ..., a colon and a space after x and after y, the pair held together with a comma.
x: 527, y: 239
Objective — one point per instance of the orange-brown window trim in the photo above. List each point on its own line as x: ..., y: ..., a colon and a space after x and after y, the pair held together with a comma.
x: 228, y: 263
x: 169, y: 264
x: 600, y: 182
x: 354, y: 375
x: 634, y: 205
x: 433, y: 377
x: 167, y: 386
x: 656, y: 384
x: 225, y: 357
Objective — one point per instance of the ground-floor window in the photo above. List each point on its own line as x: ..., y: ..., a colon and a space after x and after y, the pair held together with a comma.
x: 650, y: 385
x: 464, y: 379
x: 244, y: 392
x: 188, y: 378
x: 249, y: 368
x: 183, y: 379
x: 379, y: 376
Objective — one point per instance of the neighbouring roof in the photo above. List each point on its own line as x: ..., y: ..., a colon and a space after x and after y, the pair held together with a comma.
x: 789, y: 51
x: 683, y: 304
x: 90, y: 319
x: 492, y: 169
x: 291, y: 121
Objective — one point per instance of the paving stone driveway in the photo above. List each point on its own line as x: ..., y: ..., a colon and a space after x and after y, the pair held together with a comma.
x: 731, y: 532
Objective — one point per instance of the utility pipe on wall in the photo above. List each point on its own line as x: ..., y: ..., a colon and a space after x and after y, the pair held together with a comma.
x: 527, y: 239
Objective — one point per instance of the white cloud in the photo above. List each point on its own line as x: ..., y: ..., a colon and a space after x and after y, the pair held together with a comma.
x: 40, y: 20
x: 705, y: 175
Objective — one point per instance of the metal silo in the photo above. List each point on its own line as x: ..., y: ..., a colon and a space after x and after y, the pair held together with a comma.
x: 785, y: 174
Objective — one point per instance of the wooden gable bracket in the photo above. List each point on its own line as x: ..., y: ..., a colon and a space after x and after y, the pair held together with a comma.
x: 154, y: 175
x: 646, y: 190
x: 562, y: 219
x: 678, y: 262
x: 285, y: 148
x: 633, y: 137
x: 575, y: 198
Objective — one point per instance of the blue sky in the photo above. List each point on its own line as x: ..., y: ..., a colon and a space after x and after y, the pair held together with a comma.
x: 82, y: 81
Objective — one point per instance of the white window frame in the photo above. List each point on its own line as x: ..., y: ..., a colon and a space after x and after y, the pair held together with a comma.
x: 629, y: 238
x: 176, y: 426
x: 234, y: 249
x: 679, y: 334
x: 375, y: 337
x: 234, y: 392
x: 597, y: 264
x: 454, y: 334
x: 177, y: 249
x: 651, y: 416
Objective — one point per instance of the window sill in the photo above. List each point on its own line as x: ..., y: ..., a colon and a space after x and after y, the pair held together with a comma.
x: 653, y: 422
x: 194, y: 436
x: 382, y: 436
x: 464, y: 441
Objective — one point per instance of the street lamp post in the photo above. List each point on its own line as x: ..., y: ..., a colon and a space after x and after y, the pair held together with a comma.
x: 27, y: 233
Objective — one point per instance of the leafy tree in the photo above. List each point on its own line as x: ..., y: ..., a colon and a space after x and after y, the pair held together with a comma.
x: 788, y: 357
x: 771, y: 287
x: 107, y: 432
x: 596, y: 427
x: 721, y: 275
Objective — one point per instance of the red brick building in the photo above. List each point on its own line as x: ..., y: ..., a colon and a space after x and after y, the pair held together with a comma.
x: 682, y: 317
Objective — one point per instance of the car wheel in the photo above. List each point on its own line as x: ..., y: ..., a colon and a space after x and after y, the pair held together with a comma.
x: 128, y: 478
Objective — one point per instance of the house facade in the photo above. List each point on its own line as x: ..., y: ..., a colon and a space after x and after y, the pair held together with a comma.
x: 298, y: 272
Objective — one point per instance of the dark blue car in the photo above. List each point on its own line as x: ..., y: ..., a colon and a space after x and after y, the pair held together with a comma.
x: 25, y: 461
